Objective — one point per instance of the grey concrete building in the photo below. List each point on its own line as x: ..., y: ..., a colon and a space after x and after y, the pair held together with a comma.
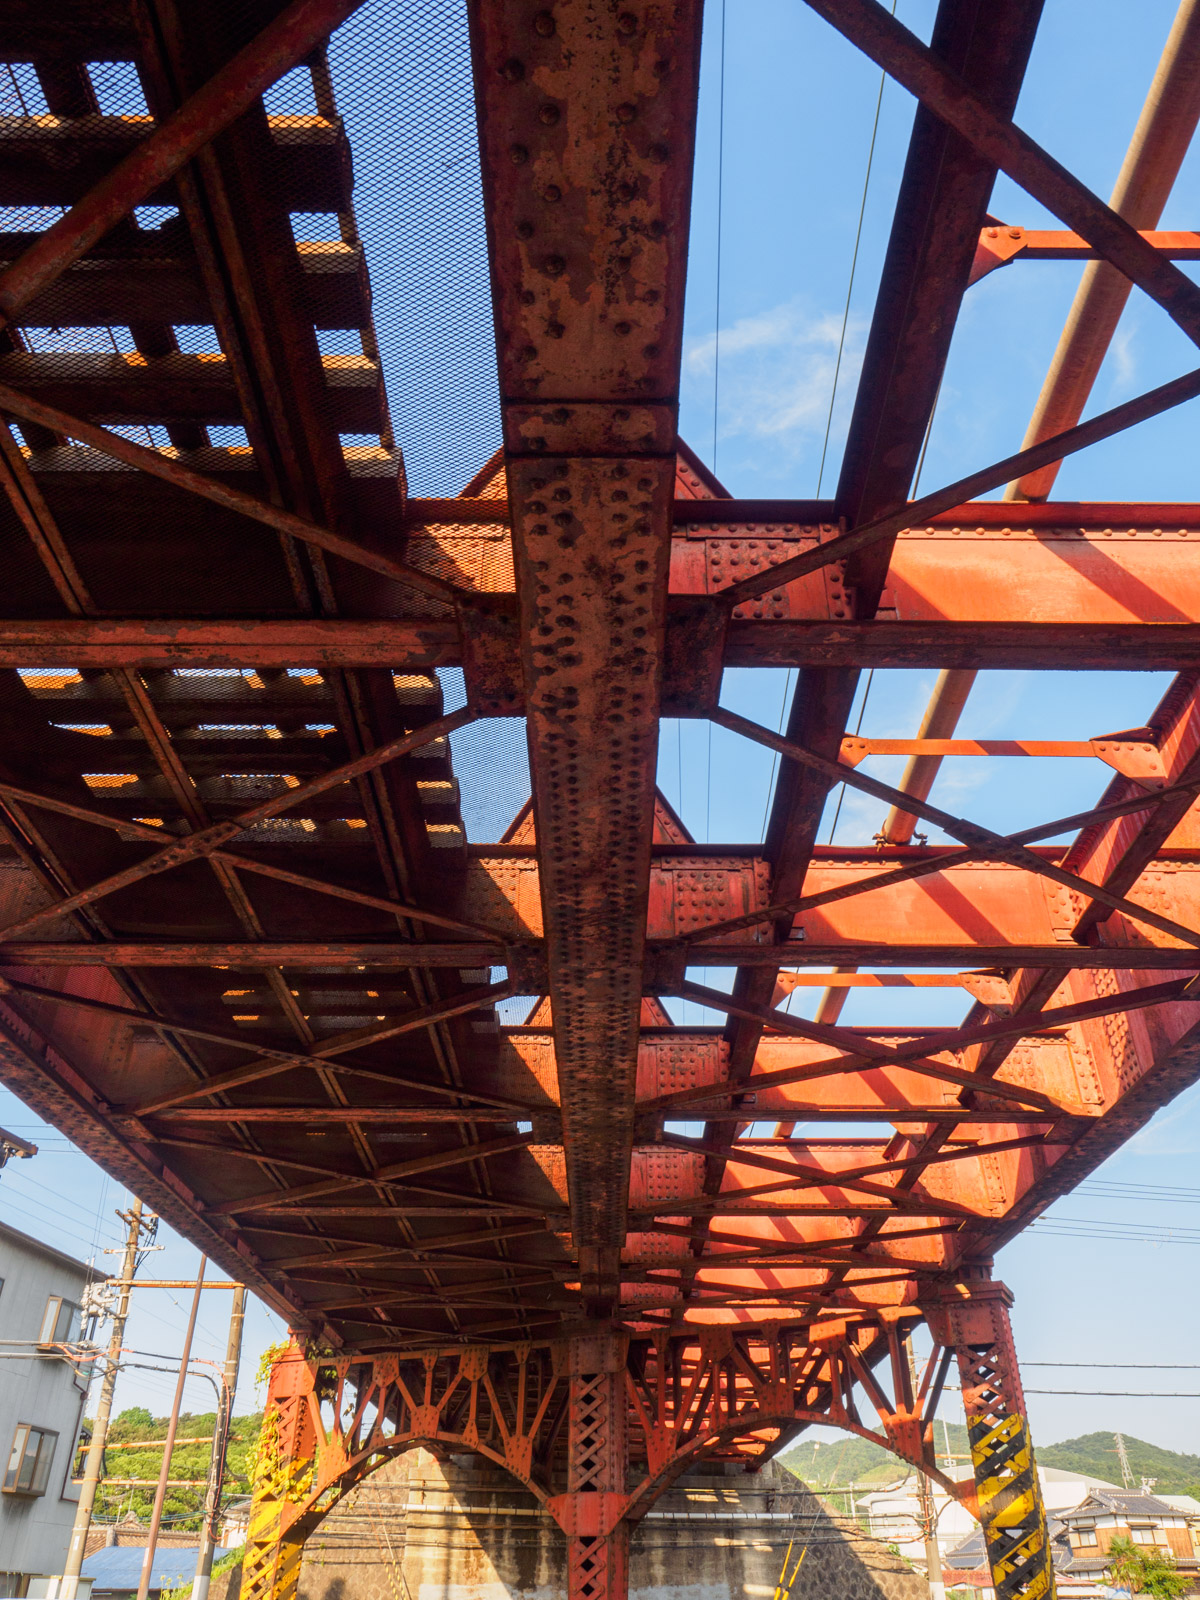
x: 41, y: 1408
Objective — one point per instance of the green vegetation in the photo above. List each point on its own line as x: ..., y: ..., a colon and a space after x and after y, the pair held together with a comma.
x: 233, y: 1559
x: 182, y: 1507
x: 1095, y: 1455
x: 1146, y: 1570
x: 838, y: 1462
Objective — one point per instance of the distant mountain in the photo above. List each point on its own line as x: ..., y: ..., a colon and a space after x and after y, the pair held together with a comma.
x: 841, y: 1462
x: 1095, y: 1454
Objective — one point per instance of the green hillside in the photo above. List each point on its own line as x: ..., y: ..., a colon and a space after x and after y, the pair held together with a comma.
x: 841, y: 1462
x: 182, y: 1506
x: 1096, y: 1455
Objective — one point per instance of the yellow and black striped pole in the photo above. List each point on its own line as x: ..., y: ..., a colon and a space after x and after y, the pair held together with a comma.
x: 283, y: 1472
x: 973, y: 1321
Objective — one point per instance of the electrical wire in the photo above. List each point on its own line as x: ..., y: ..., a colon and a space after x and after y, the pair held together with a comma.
x: 862, y: 711
x: 783, y: 705
x: 862, y: 211
x: 720, y: 212
x: 1126, y: 1394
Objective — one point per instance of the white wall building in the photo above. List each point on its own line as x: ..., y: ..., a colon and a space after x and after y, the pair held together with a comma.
x: 41, y: 1408
x: 895, y: 1513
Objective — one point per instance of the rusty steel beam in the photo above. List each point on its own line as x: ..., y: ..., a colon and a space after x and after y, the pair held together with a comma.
x: 969, y: 646
x: 902, y: 56
x: 944, y: 190
x: 1104, y: 426
x: 252, y: 953
x: 173, y: 471
x: 982, y: 839
x: 1148, y: 172
x: 834, y: 951
x: 284, y: 42
x: 206, y: 840
x: 587, y: 233
x: 416, y: 644
x: 422, y: 644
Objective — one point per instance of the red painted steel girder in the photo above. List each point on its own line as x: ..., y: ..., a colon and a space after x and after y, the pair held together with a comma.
x: 310, y: 959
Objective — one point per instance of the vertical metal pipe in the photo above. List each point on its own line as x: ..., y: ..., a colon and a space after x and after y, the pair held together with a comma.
x: 216, y: 1466
x: 1160, y: 142
x: 77, y: 1548
x: 164, y: 1472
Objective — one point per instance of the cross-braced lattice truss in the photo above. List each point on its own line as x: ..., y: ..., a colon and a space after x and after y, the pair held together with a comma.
x: 249, y: 959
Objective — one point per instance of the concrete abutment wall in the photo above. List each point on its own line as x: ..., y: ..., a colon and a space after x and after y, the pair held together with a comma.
x: 420, y: 1529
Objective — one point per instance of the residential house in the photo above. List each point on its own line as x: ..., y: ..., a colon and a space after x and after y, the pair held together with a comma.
x: 42, y: 1395
x: 235, y: 1521
x: 1107, y: 1514
x: 895, y: 1515
x: 1190, y: 1508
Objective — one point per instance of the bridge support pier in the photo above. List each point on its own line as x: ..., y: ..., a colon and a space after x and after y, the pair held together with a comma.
x: 592, y: 1512
x: 599, y: 1424
x: 284, y: 1466
x: 974, y: 1324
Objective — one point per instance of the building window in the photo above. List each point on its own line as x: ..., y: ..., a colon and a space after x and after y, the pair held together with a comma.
x: 1083, y: 1538
x: 29, y: 1460
x: 60, y: 1322
x: 1148, y: 1536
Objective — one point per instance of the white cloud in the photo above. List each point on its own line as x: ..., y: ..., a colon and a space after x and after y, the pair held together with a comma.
x: 1164, y: 1135
x: 777, y: 372
x: 1124, y: 361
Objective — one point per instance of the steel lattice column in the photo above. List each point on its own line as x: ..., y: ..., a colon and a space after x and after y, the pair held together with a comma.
x: 284, y: 1466
x: 591, y: 1511
x: 975, y: 1325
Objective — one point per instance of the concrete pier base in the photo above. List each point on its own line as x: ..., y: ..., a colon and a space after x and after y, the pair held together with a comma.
x: 421, y: 1529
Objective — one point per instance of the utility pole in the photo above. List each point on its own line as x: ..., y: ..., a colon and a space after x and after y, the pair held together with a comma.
x: 95, y: 1456
x: 216, y: 1465
x: 164, y: 1472
x: 928, y: 1510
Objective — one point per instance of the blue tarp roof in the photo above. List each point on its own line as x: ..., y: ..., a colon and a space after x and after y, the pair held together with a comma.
x: 120, y: 1567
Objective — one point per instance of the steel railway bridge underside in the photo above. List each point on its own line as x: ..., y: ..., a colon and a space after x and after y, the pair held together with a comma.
x: 250, y: 961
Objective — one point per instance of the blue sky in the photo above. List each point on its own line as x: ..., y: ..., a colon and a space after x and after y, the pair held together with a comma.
x: 798, y: 110
x: 799, y: 104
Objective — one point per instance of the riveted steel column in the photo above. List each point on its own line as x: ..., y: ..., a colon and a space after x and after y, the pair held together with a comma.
x: 591, y: 1512
x: 974, y: 1322
x: 284, y: 1464
x: 586, y: 112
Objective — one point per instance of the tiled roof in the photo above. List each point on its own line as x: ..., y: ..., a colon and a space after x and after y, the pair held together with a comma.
x: 1142, y: 1505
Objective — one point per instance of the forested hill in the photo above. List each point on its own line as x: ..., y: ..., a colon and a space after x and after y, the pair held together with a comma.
x: 182, y: 1506
x: 846, y: 1461
x: 1096, y: 1455
x: 831, y: 1463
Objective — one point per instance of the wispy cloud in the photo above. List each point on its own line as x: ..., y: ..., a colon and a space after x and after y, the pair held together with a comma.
x: 777, y: 372
x: 1174, y: 1131
x: 1124, y: 361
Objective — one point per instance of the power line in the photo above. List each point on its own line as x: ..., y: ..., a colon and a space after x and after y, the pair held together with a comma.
x: 1124, y: 1366
x: 1126, y: 1394
x: 862, y: 211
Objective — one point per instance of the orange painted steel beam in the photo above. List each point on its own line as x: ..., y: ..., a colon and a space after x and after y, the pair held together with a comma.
x: 1002, y: 244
